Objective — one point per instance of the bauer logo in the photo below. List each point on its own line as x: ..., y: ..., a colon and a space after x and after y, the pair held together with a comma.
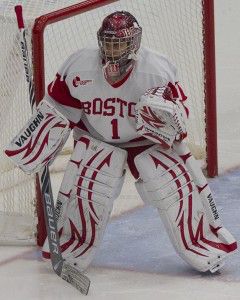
x: 25, y: 59
x: 51, y: 226
x: 77, y: 81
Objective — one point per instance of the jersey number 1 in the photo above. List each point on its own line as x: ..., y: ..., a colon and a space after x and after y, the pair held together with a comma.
x: 115, y: 135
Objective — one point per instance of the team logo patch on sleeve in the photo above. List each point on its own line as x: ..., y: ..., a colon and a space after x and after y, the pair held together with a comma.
x: 77, y: 81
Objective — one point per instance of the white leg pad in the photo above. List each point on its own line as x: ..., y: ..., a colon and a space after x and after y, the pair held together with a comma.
x: 166, y: 183
x: 93, y: 180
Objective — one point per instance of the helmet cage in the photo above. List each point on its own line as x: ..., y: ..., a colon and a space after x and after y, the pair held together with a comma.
x: 118, y: 50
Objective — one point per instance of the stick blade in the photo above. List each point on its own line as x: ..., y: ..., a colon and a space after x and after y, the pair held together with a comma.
x: 76, y: 278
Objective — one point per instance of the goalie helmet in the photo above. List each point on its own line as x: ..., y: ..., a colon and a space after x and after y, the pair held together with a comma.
x: 119, y: 39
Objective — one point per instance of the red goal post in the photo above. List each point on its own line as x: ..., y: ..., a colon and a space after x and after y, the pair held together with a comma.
x: 208, y: 53
x: 209, y: 65
x: 182, y: 30
x: 210, y: 87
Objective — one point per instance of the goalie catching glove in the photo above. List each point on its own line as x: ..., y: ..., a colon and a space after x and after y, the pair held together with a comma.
x: 40, y: 140
x: 160, y: 115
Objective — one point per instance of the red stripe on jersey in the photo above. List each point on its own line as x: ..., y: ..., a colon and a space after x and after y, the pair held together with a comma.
x: 59, y: 91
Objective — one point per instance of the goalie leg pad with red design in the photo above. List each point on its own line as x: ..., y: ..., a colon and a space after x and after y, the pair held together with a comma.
x: 93, y: 180
x: 166, y: 183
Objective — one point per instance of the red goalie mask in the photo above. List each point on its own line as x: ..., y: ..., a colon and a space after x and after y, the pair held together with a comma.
x: 119, y: 39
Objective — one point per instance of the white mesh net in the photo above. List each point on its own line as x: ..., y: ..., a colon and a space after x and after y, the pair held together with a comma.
x: 172, y: 27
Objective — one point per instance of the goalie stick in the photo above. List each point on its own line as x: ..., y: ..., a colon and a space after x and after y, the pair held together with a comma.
x: 60, y: 266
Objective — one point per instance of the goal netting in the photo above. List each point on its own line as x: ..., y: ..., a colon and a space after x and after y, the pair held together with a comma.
x: 177, y: 28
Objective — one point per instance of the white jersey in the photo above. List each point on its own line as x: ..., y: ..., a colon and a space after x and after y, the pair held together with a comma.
x: 94, y: 106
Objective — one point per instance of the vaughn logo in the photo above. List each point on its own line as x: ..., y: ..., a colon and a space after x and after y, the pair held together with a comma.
x: 77, y: 81
x: 31, y: 128
x: 213, y: 206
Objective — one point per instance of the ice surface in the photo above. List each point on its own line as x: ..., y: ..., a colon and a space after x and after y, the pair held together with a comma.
x: 135, y: 261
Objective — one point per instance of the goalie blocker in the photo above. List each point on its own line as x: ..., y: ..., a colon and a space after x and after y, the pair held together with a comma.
x: 40, y: 140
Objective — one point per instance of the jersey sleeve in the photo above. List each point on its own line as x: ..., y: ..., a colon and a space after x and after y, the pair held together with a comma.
x: 58, y: 94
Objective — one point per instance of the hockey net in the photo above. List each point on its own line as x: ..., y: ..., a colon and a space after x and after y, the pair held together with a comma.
x: 179, y: 29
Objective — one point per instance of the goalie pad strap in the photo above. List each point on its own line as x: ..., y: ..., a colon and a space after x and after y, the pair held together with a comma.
x: 92, y: 181
x: 40, y: 140
x: 166, y: 183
